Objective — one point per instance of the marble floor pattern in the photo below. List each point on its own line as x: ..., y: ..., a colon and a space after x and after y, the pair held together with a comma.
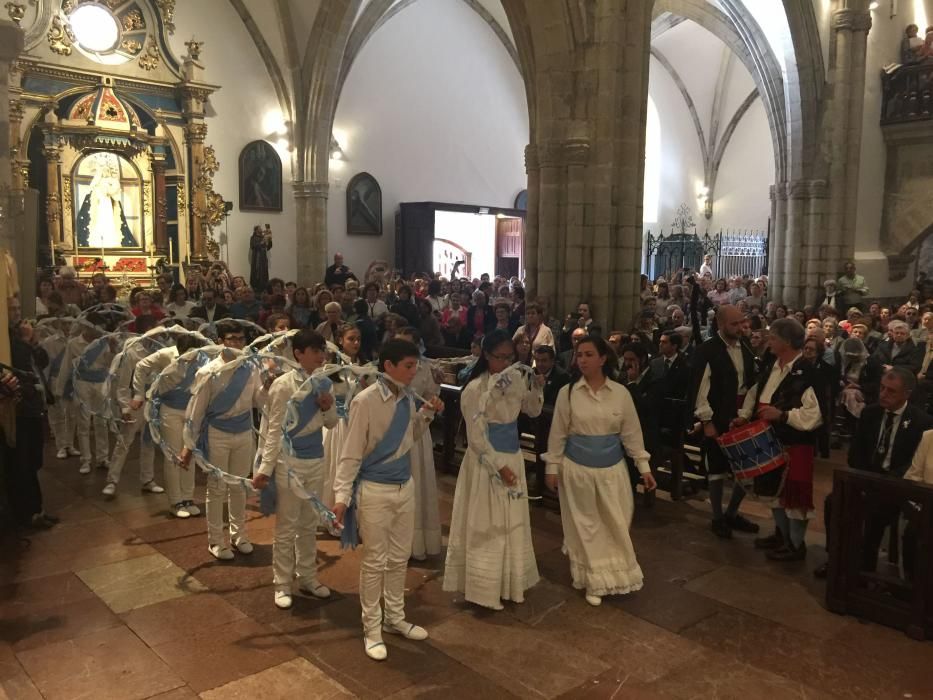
x: 121, y: 602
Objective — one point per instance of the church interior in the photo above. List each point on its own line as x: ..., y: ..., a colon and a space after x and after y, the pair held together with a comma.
x: 194, y: 161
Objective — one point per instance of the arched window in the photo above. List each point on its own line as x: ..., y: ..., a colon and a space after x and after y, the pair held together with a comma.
x: 652, y: 195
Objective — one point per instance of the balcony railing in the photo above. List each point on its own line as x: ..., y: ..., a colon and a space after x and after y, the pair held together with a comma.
x: 907, y: 94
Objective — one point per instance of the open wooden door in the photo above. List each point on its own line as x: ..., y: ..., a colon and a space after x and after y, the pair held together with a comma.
x: 509, y: 233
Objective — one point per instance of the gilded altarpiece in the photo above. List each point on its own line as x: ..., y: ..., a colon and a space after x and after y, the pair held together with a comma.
x: 109, y: 127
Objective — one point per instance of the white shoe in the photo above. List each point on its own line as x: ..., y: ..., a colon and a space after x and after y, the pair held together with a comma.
x: 219, y: 552
x: 153, y: 487
x: 110, y: 490
x: 85, y: 468
x: 244, y: 546
x: 72, y: 452
x: 406, y: 629
x: 192, y: 509
x: 375, y: 649
x: 314, y: 589
x: 594, y: 600
x: 62, y: 454
x: 283, y: 600
x: 179, y: 511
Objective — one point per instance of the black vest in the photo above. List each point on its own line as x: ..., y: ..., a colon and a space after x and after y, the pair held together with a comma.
x: 724, y: 381
x: 789, y: 395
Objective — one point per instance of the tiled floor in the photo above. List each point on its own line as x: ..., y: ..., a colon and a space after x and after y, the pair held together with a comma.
x: 119, y: 601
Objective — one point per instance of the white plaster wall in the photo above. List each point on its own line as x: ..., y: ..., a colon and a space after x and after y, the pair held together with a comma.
x: 434, y: 108
x: 681, y: 158
x: 883, y: 48
x: 742, y: 198
x: 243, y: 110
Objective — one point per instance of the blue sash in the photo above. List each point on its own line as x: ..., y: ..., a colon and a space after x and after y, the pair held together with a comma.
x: 342, y: 410
x: 310, y: 445
x: 598, y: 451
x: 380, y: 467
x: 85, y: 372
x: 504, y: 436
x: 222, y: 403
x: 178, y: 396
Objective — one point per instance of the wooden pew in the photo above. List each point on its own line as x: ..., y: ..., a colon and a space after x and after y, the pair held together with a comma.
x: 904, y: 603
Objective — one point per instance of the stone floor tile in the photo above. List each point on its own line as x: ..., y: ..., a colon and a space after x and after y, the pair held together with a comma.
x: 68, y: 538
x: 292, y: 679
x: 785, y: 651
x: 138, y: 582
x: 111, y: 663
x: 212, y: 657
x: 513, y: 655
x: 666, y: 605
x: 19, y: 687
x: 182, y: 693
x: 715, y: 676
x: 635, y: 649
x: 57, y: 623
x: 19, y: 599
x: 460, y: 683
x: 771, y: 597
x: 173, y: 619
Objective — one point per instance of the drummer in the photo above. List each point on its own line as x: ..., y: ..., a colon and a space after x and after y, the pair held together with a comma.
x: 786, y: 396
x: 724, y: 369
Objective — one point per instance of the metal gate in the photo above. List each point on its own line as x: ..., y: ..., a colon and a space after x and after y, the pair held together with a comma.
x: 734, y: 252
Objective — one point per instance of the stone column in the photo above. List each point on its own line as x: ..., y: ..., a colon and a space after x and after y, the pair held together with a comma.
x: 311, y: 222
x: 53, y: 198
x: 586, y: 68
x: 11, y: 44
x: 158, y: 185
x: 195, y: 134
x: 850, y: 23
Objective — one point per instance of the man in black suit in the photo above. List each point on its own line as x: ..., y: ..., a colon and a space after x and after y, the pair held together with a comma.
x: 338, y: 273
x: 670, y: 367
x: 723, y: 370
x: 209, y: 310
x: 898, y: 351
x: 555, y: 377
x: 885, y: 441
x: 566, y: 358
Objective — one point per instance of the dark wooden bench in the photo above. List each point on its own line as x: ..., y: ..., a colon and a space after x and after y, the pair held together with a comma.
x: 885, y: 596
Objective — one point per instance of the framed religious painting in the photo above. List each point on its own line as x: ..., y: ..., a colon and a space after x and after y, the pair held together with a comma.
x: 364, y: 206
x: 260, y: 178
x: 109, y: 204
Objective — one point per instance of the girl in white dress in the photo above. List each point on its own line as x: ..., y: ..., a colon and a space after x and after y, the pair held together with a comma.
x: 344, y: 389
x: 426, y: 539
x: 586, y: 466
x: 490, y: 556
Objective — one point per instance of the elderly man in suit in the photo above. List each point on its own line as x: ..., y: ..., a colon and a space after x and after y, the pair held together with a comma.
x: 209, y: 310
x: 885, y: 441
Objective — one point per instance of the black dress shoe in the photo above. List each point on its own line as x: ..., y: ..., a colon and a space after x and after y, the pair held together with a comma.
x: 721, y: 528
x: 742, y: 524
x: 774, y: 541
x: 788, y: 553
x: 821, y: 571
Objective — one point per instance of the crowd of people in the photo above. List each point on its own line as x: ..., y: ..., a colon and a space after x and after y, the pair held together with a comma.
x: 337, y: 381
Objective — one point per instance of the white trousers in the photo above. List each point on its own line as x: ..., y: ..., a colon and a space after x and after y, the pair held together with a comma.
x: 128, y: 433
x: 179, y: 482
x: 294, y: 551
x: 386, y: 516
x: 233, y: 453
x: 61, y: 422
x: 101, y: 441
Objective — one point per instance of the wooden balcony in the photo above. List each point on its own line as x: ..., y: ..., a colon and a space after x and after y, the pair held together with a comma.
x: 907, y: 94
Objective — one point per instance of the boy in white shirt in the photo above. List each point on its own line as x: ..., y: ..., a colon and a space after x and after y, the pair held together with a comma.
x: 373, y: 486
x: 219, y: 423
x: 297, y: 428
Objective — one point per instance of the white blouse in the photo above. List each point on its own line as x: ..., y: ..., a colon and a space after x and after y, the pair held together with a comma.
x: 502, y: 406
x: 921, y: 468
x: 608, y: 411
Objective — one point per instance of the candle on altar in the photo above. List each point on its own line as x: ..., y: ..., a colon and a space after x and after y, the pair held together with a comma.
x: 171, y: 254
